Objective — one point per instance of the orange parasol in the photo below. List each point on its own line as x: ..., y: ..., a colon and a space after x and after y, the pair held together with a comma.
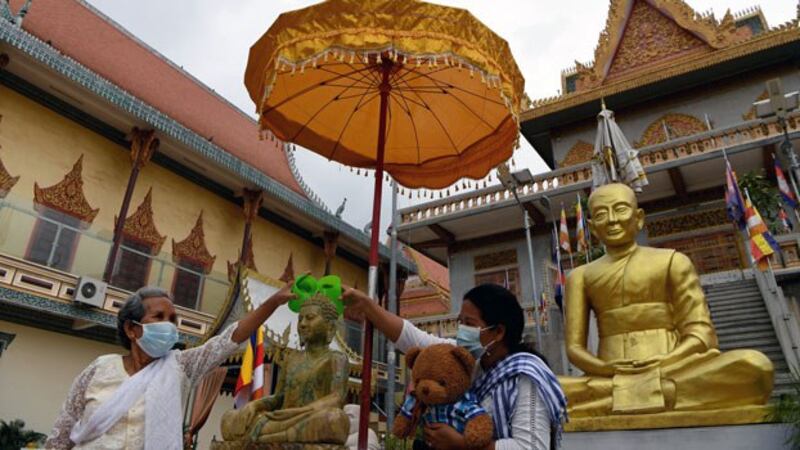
x: 434, y: 88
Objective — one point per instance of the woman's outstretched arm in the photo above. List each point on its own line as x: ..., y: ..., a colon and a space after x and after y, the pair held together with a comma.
x: 360, y: 305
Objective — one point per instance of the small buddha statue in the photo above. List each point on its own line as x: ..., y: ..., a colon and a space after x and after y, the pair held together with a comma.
x: 658, y: 350
x: 311, y: 389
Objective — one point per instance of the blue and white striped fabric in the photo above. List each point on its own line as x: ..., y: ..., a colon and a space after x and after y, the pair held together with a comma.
x: 501, y: 384
x: 455, y: 414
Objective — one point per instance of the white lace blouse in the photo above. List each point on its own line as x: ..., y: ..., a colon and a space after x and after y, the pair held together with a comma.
x: 106, y: 373
x: 530, y: 421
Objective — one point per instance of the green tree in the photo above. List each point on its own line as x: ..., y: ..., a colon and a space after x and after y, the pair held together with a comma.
x: 765, y: 197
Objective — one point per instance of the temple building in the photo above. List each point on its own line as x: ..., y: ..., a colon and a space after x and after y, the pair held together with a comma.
x: 118, y: 169
x: 682, y: 86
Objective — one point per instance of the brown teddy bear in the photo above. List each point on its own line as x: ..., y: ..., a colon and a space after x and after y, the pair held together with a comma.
x: 442, y: 376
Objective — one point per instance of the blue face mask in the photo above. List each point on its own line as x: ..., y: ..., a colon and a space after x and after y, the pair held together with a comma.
x: 470, y: 338
x: 158, y: 338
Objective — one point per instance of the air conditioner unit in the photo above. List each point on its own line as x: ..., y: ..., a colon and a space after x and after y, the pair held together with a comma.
x: 90, y: 292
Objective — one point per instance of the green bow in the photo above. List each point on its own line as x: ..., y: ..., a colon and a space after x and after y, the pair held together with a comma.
x: 307, y: 286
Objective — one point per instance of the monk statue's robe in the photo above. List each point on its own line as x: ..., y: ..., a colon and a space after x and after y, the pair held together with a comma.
x: 648, y: 301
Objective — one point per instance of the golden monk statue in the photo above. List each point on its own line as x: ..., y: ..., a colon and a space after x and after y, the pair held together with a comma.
x: 311, y: 390
x: 658, y: 351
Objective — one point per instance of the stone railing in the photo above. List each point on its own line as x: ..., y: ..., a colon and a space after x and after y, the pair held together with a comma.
x: 447, y: 325
x: 654, y: 158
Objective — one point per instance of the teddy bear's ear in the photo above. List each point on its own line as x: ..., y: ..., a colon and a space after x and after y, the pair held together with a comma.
x: 411, y: 356
x: 464, y: 358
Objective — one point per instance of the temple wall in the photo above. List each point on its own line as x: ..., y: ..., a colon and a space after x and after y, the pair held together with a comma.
x: 28, y: 388
x: 41, y: 146
x: 725, y: 102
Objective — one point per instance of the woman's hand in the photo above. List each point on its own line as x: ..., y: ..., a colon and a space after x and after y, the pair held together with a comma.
x: 443, y: 437
x: 283, y: 295
x: 357, y: 304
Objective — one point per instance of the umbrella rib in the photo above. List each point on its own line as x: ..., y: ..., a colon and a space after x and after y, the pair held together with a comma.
x: 305, y: 91
x: 444, y: 129
x: 349, y: 118
x: 413, y: 123
x: 443, y: 85
x: 467, y: 107
x: 325, y: 105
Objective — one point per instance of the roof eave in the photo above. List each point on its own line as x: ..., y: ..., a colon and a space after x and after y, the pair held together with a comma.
x: 67, y: 67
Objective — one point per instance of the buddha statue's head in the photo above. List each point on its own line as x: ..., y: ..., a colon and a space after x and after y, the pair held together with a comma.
x: 616, y: 216
x: 316, y: 322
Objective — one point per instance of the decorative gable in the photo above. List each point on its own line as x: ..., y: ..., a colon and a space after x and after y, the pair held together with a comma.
x: 579, y: 153
x: 6, y: 180
x: 671, y: 126
x: 249, y: 261
x: 640, y: 34
x: 193, y: 249
x: 67, y: 195
x: 141, y: 227
x: 649, y: 38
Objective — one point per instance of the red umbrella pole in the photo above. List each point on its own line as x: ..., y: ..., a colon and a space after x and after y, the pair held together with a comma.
x: 366, y: 369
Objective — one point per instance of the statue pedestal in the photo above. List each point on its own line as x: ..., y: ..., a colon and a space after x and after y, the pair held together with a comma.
x: 241, y: 445
x: 740, y: 415
x: 763, y: 436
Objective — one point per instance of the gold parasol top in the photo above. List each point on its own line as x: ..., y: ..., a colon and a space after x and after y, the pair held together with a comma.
x: 456, y: 89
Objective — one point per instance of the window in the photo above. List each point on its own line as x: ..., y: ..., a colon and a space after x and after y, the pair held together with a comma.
x: 133, y: 267
x: 188, y: 284
x: 52, y: 243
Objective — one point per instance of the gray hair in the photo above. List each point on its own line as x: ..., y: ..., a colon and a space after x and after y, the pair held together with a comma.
x: 133, y: 310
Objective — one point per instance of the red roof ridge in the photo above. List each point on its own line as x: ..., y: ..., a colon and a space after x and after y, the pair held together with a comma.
x: 114, y: 53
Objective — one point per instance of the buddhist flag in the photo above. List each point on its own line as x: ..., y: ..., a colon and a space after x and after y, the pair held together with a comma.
x: 559, y: 282
x: 733, y: 198
x: 762, y: 244
x: 787, y: 224
x: 783, y: 186
x: 250, y: 385
x: 580, y: 229
x: 563, y: 234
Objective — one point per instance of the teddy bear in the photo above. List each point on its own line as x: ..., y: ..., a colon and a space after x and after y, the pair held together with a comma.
x: 442, y: 375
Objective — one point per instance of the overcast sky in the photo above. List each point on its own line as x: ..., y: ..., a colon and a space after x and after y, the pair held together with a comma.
x: 210, y: 39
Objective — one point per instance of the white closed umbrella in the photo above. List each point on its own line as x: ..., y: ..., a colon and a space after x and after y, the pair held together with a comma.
x: 615, y: 161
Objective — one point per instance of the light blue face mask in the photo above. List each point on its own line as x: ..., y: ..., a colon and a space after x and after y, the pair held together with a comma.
x: 470, y: 338
x: 158, y: 338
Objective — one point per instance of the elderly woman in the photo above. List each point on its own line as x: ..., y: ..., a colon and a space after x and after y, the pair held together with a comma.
x: 133, y: 401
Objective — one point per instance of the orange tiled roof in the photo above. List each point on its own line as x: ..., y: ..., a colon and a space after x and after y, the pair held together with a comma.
x: 429, y: 294
x: 79, y: 31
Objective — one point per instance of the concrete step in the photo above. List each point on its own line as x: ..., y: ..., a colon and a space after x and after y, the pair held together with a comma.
x: 731, y: 285
x: 761, y: 320
x: 754, y: 343
x: 725, y: 311
x: 739, y: 287
x: 732, y: 290
x: 748, y: 339
x: 750, y: 328
x: 721, y: 300
x: 736, y: 306
x: 735, y: 318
